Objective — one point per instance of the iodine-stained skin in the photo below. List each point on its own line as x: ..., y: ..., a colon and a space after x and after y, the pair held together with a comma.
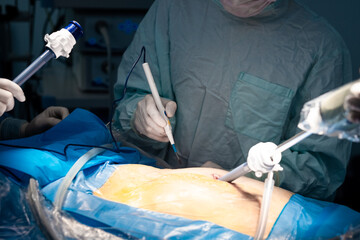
x: 194, y: 193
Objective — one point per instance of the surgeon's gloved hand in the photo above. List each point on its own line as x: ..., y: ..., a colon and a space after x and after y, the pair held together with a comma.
x: 8, y: 91
x: 148, y: 121
x: 263, y: 158
x: 44, y: 121
x: 352, y: 103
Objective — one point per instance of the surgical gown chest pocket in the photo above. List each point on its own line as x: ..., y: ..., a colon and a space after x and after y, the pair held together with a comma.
x: 258, y: 108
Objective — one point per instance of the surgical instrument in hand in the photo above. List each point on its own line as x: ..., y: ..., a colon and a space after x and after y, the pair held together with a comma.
x: 159, y: 105
x: 266, y: 166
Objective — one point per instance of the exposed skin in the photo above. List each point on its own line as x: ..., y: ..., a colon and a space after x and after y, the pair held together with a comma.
x: 194, y: 193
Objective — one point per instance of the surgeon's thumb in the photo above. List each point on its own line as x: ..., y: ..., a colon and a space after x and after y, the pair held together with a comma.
x: 170, y: 107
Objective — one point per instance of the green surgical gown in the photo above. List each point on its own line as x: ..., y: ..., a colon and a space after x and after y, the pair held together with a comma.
x: 238, y: 82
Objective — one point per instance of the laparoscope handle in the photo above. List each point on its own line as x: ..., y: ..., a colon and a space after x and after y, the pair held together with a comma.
x: 74, y: 28
x: 34, y: 67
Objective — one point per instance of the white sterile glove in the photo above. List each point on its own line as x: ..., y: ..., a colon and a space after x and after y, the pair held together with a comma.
x: 148, y: 120
x: 8, y: 91
x: 263, y: 158
x: 44, y: 121
x: 352, y: 103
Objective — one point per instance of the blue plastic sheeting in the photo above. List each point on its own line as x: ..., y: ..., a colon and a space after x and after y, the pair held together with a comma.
x: 306, y: 218
x: 80, y: 127
x: 301, y: 218
x: 136, y: 222
x: 16, y: 219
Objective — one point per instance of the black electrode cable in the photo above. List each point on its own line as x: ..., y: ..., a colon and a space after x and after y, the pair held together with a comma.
x: 143, y: 51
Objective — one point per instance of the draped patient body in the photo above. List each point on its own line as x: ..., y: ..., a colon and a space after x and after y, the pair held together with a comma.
x: 193, y: 193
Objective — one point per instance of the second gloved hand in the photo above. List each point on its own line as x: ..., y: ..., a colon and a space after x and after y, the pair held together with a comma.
x: 8, y: 91
x: 44, y: 121
x: 148, y: 121
x: 263, y: 158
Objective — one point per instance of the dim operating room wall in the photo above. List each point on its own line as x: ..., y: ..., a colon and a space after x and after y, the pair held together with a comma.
x: 26, y: 41
x: 344, y: 16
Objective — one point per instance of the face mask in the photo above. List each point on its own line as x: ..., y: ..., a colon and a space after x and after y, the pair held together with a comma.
x: 245, y: 8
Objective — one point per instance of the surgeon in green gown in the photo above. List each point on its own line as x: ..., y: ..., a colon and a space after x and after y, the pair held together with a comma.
x: 232, y: 74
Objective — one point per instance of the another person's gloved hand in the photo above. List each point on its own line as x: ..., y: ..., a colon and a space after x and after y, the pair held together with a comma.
x: 148, y: 121
x: 263, y: 158
x: 8, y: 91
x: 44, y: 121
x: 352, y: 103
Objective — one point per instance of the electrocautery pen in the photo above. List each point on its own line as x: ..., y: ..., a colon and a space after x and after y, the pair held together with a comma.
x: 159, y: 105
